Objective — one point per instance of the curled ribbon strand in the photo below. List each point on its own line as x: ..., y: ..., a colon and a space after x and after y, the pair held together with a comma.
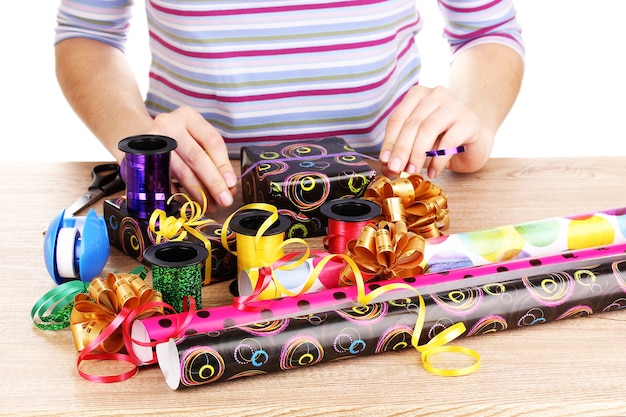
x: 191, y: 215
x: 101, y: 321
x: 52, y: 311
x: 438, y: 344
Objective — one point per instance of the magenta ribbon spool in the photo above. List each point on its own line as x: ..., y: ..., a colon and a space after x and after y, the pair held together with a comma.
x: 146, y: 172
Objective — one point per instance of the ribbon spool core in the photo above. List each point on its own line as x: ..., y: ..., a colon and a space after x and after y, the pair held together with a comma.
x: 249, y: 222
x: 176, y: 254
x: 146, y: 172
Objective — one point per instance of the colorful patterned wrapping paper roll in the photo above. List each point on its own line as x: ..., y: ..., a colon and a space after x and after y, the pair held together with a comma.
x: 491, y: 246
x: 533, y: 239
x: 304, y: 340
x: 160, y: 329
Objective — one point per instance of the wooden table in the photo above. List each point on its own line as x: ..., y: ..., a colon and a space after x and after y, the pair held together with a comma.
x: 566, y: 368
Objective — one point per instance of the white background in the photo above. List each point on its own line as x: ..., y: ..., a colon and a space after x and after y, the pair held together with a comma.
x: 571, y: 104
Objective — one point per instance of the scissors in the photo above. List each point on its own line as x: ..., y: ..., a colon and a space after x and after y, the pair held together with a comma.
x: 106, y: 180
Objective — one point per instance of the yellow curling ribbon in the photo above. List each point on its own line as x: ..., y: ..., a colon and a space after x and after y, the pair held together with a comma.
x: 411, y: 198
x: 437, y: 345
x: 308, y: 284
x: 259, y: 250
x: 94, y: 311
x: 169, y: 228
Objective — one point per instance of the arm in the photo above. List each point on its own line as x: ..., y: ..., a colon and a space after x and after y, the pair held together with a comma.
x: 102, y: 90
x: 486, y: 78
x: 484, y: 81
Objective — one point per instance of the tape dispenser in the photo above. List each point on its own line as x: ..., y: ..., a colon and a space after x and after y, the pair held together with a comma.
x: 76, y: 247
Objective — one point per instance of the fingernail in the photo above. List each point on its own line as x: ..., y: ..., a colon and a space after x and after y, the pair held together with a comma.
x: 410, y: 169
x: 231, y: 179
x: 384, y: 156
x: 432, y: 173
x: 226, y: 198
x: 395, y: 165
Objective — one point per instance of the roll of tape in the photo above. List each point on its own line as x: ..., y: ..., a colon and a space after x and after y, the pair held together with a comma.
x: 66, y: 252
x: 76, y: 247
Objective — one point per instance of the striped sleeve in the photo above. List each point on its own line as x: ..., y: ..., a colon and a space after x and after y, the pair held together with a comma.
x: 103, y: 20
x: 472, y: 22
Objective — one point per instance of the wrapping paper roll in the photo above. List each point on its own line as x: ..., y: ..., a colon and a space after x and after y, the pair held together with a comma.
x: 292, y: 280
x: 304, y: 340
x: 533, y: 239
x: 160, y: 329
x: 490, y: 246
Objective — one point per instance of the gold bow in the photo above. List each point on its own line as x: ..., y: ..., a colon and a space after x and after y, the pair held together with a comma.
x: 385, y: 250
x: 106, y: 298
x: 414, y: 200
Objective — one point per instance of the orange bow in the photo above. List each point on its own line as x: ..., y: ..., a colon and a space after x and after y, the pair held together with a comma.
x: 385, y: 250
x: 414, y: 200
x: 106, y: 298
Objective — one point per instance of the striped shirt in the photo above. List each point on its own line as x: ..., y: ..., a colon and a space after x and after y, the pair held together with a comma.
x: 271, y: 71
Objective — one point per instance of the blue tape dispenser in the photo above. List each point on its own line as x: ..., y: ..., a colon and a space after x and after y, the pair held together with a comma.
x: 76, y: 247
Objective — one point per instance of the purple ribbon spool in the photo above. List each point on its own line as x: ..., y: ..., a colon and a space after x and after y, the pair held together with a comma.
x: 146, y: 172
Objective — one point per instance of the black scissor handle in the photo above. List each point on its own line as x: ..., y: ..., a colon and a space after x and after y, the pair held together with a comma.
x: 107, y: 178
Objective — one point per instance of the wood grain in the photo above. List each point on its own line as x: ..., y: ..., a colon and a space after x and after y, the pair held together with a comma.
x: 575, y: 367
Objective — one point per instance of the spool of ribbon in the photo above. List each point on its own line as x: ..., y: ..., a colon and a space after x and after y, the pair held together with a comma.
x: 259, y: 235
x: 346, y: 219
x: 146, y: 172
x: 177, y: 271
x: 414, y: 200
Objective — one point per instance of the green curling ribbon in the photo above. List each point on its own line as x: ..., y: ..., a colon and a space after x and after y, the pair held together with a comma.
x: 52, y: 311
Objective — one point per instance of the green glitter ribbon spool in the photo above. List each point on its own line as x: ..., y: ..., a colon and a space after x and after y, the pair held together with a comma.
x: 177, y: 271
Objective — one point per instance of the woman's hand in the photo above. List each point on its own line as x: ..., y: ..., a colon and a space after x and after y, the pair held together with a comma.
x: 427, y: 119
x: 200, y: 160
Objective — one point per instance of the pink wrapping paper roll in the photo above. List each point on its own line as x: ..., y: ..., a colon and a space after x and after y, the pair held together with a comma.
x: 162, y: 328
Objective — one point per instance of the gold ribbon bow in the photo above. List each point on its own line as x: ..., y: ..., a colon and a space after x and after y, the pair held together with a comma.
x: 169, y: 228
x: 414, y: 200
x: 385, y: 250
x: 106, y: 298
